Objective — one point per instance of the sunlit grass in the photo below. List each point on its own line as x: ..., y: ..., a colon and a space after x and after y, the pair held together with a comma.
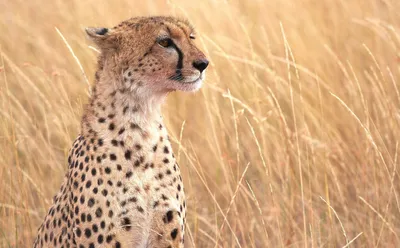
x: 292, y: 142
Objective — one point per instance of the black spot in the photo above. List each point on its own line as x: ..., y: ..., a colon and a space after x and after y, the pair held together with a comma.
x: 83, y: 217
x: 95, y: 228
x: 155, y: 148
x: 126, y: 223
x: 129, y: 174
x: 102, y: 120
x: 128, y: 154
x: 125, y: 109
x: 174, y: 233
x: 134, y: 126
x: 91, y: 202
x: 88, y: 233
x: 168, y: 217
x: 166, y: 150
x: 99, y: 212
x: 113, y: 157
x: 88, y: 184
x: 121, y: 131
x: 109, y: 239
x: 111, y: 126
x: 107, y: 170
x: 78, y: 233
x: 100, y: 239
x: 166, y: 161
x: 119, y: 167
x: 94, y: 172
x: 104, y: 192
x: 114, y: 142
x: 91, y: 245
x: 138, y: 146
x: 140, y: 209
x: 117, y: 244
x: 100, y: 142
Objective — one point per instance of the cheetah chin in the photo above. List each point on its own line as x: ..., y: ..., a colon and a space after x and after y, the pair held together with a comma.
x: 186, y: 80
x: 190, y: 84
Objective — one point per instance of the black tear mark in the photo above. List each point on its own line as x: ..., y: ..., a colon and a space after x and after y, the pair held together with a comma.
x: 180, y: 57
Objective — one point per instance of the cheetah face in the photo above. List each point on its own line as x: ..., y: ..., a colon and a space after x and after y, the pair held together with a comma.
x: 159, y: 52
x: 182, y: 63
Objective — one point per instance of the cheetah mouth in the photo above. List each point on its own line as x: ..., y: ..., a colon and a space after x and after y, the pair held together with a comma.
x: 176, y: 77
x: 189, y: 83
x: 185, y: 80
x: 192, y: 82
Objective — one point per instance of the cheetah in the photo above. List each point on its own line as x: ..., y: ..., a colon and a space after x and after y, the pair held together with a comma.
x: 123, y: 186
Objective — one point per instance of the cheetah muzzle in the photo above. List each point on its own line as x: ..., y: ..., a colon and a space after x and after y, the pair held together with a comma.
x: 123, y: 186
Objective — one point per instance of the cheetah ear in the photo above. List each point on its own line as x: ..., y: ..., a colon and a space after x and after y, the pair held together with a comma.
x: 102, y: 37
x: 96, y: 32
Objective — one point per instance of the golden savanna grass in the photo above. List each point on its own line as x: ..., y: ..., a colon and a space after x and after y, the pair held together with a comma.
x: 292, y: 142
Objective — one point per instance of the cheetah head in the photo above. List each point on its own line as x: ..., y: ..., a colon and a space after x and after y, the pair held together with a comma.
x: 156, y: 54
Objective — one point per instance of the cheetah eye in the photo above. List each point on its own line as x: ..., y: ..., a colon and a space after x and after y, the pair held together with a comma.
x: 167, y: 42
x: 192, y: 36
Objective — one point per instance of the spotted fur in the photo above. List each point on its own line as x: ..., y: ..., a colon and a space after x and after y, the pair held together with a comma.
x: 123, y: 187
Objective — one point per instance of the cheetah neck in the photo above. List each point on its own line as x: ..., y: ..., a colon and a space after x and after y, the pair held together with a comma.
x: 114, y: 108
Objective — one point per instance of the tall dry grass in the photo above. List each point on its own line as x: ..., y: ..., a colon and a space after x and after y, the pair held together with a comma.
x: 292, y: 142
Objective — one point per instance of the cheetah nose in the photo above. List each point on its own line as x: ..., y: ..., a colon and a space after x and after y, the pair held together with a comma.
x: 200, y: 64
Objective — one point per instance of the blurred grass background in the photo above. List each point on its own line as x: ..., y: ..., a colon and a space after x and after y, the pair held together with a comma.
x: 292, y: 142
